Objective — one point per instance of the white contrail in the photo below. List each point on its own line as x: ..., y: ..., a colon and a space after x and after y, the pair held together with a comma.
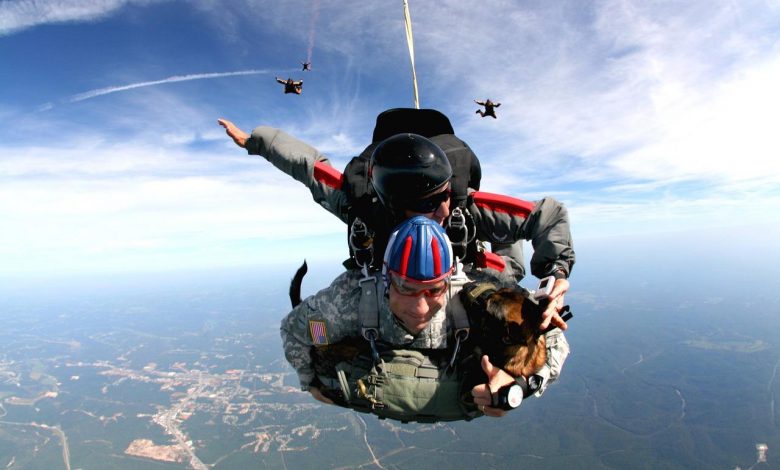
x: 176, y: 78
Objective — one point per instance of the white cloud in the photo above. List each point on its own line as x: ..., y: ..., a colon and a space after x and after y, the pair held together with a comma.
x: 86, y: 204
x: 18, y: 15
x: 619, y: 92
x: 629, y: 103
x: 725, y: 132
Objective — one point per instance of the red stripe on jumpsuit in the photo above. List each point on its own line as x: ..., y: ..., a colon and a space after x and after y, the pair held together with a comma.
x: 328, y: 175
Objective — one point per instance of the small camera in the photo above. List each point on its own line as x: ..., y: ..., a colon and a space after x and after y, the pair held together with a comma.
x: 545, y: 288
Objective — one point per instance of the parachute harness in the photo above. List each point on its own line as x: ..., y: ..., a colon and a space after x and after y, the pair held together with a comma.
x: 458, y: 312
x: 458, y: 233
x: 361, y: 240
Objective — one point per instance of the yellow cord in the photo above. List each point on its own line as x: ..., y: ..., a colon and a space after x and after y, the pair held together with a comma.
x: 410, y: 43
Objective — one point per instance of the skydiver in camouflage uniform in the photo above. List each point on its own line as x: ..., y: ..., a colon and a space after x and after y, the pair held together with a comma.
x: 415, y: 312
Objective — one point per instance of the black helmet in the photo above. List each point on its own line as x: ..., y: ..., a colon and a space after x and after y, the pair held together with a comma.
x: 407, y: 167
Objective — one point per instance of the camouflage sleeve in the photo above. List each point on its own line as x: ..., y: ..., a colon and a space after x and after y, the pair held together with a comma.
x: 304, y: 163
x: 557, y: 351
x: 502, y: 219
x: 324, y: 318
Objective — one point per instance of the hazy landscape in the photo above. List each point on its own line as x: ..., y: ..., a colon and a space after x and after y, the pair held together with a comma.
x: 186, y: 371
x: 127, y: 342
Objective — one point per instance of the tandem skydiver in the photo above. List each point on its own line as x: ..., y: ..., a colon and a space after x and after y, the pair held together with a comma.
x: 407, y: 322
x: 306, y: 66
x: 415, y: 186
x: 545, y: 223
x: 291, y: 86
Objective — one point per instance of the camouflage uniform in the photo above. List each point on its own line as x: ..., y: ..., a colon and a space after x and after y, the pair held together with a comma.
x: 336, y: 307
x: 498, y: 219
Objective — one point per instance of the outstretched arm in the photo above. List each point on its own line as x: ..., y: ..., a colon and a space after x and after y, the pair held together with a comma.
x: 280, y: 80
x: 297, y: 159
x: 238, y: 136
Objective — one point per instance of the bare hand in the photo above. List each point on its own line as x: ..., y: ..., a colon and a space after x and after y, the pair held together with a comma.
x: 483, y: 393
x: 552, y: 313
x: 317, y: 394
x: 239, y: 137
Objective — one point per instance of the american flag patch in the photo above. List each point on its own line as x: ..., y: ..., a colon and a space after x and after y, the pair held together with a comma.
x: 318, y: 334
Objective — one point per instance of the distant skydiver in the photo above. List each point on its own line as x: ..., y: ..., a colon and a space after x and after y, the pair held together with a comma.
x: 291, y: 86
x: 489, y: 108
x: 306, y: 66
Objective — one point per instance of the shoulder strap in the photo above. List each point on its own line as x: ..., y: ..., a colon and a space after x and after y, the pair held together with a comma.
x: 454, y: 303
x: 458, y: 312
x: 368, y: 310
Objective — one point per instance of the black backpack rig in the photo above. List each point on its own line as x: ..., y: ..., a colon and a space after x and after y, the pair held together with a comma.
x: 370, y: 223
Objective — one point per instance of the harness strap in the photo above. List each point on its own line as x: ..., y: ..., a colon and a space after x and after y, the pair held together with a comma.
x: 458, y: 233
x: 476, y: 295
x: 455, y: 306
x: 458, y: 313
x: 368, y: 308
x: 368, y: 311
x: 343, y: 385
x: 361, y: 240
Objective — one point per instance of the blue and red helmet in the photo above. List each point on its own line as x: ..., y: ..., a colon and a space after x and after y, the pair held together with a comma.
x: 419, y: 250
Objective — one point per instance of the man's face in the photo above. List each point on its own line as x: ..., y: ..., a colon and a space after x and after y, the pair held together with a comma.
x: 438, y: 203
x: 415, y: 303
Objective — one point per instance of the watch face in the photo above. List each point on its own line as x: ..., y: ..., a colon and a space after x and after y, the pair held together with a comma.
x: 514, y: 396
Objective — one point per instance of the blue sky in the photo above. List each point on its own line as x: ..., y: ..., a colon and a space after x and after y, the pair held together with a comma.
x: 651, y: 119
